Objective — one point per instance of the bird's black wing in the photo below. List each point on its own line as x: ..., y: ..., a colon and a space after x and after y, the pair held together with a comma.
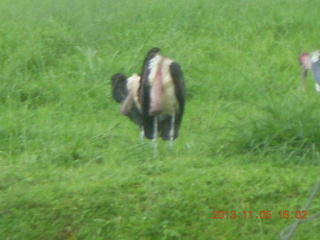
x: 144, y: 93
x: 316, y: 71
x: 180, y: 91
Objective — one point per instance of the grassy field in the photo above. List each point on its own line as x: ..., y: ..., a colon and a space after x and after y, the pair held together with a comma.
x: 71, y: 167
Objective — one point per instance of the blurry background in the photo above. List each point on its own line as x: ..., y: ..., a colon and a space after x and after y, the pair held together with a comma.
x: 73, y: 168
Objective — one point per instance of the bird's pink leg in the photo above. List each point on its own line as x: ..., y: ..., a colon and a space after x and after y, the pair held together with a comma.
x: 171, y: 133
x: 155, y: 135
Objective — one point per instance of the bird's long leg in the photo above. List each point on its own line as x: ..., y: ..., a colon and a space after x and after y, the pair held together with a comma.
x: 171, y: 133
x: 141, y: 134
x: 304, y: 78
x: 155, y: 134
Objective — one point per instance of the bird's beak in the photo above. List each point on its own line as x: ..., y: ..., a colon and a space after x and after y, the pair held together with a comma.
x: 304, y: 73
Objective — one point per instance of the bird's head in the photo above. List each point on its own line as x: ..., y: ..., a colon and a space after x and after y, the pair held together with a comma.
x: 154, y: 50
x: 310, y: 61
x: 152, y: 53
x: 305, y: 61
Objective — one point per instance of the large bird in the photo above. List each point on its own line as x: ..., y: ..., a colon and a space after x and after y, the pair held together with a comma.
x: 125, y: 90
x: 310, y: 61
x: 162, y: 96
x: 155, y: 99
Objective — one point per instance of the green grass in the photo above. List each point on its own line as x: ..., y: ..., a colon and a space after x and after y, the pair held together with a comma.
x: 73, y: 168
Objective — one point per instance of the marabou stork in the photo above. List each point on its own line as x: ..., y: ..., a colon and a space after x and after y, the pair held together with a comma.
x: 310, y: 61
x: 162, y: 96
x: 155, y: 99
x: 125, y: 90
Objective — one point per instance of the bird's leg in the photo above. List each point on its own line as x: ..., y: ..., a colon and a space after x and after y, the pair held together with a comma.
x: 304, y: 78
x: 171, y: 133
x: 141, y: 134
x: 306, y: 64
x: 155, y: 135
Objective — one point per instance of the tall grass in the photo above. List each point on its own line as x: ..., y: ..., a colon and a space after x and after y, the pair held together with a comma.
x: 73, y: 168
x: 287, y: 126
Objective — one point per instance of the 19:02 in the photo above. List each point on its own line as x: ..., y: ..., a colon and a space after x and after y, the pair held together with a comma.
x: 262, y: 214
